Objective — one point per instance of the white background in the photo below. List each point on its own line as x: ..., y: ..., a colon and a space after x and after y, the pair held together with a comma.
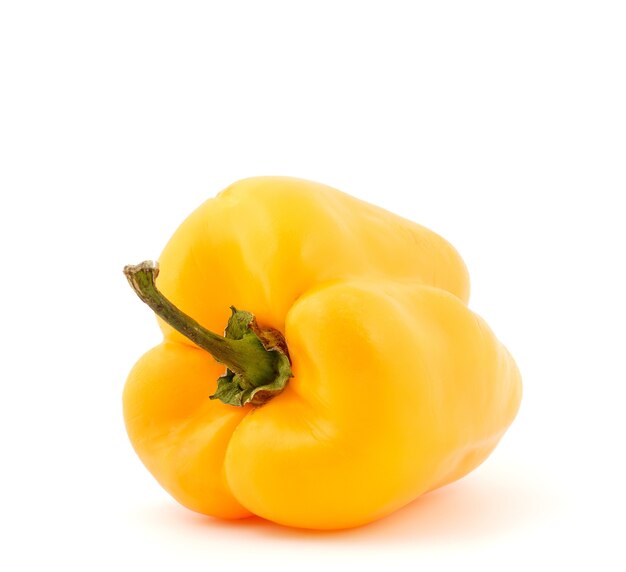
x: 500, y: 125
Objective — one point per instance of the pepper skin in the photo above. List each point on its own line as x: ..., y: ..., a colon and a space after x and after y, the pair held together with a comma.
x: 397, y: 388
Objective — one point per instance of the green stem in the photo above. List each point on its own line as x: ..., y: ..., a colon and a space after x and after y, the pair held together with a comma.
x: 256, y: 359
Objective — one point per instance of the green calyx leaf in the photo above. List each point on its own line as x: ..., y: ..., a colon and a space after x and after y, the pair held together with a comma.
x: 256, y: 383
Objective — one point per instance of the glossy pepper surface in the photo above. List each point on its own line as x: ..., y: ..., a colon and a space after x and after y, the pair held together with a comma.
x: 393, y: 386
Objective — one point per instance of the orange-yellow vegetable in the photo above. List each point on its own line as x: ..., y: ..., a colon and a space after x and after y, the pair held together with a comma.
x: 389, y: 386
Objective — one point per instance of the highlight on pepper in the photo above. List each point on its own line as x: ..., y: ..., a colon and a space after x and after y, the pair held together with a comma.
x: 350, y: 378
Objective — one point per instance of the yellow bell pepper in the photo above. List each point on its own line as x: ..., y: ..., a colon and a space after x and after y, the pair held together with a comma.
x: 353, y: 379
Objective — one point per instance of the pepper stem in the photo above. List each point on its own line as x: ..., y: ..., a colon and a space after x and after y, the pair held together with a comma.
x: 257, y: 360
